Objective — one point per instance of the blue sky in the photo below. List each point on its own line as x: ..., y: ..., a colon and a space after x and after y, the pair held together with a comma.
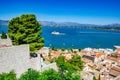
x: 82, y: 11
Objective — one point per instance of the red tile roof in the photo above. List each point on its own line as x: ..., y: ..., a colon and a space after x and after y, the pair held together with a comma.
x: 83, y: 51
x: 118, y: 54
x: 98, y: 54
x: 114, y: 73
x: 113, y: 58
x: 116, y: 68
x: 118, y: 49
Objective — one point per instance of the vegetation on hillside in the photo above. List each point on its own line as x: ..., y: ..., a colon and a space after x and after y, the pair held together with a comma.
x: 26, y: 30
x: 31, y: 74
x: 73, y: 65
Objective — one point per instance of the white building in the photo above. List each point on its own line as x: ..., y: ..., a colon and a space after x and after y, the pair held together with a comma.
x: 44, y: 51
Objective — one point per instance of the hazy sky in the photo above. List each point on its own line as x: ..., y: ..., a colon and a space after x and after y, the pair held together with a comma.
x: 82, y: 11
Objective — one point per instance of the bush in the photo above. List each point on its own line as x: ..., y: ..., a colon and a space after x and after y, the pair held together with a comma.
x: 53, y: 48
x: 73, y: 65
x: 3, y: 36
x: 30, y: 75
x: 77, y: 63
x: 49, y: 75
x: 8, y: 76
x: 63, y: 49
x: 70, y: 76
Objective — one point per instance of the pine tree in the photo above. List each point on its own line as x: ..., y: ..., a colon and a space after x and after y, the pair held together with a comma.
x: 26, y: 30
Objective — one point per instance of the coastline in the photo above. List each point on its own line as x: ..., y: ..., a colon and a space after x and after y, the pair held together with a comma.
x: 97, y: 28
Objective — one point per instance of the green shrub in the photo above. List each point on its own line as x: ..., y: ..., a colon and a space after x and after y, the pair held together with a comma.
x: 63, y: 49
x: 50, y: 75
x: 3, y: 36
x: 8, y: 76
x: 30, y: 75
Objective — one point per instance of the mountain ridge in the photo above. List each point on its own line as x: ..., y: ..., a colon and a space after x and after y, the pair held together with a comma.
x: 68, y: 24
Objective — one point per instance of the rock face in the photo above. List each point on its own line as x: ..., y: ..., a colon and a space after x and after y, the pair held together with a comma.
x: 17, y: 58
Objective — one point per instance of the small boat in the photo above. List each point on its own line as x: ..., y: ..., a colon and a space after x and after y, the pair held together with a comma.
x: 55, y: 33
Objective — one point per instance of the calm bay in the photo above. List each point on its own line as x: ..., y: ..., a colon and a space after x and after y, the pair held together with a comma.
x: 77, y: 37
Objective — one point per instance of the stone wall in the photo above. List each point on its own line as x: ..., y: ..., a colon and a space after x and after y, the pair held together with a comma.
x: 17, y: 58
x: 35, y: 63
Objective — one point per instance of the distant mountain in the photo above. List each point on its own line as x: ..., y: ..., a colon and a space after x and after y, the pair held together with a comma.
x: 115, y: 25
x: 48, y: 23
x: 65, y: 24
x: 73, y: 24
x: 3, y: 22
x: 69, y: 24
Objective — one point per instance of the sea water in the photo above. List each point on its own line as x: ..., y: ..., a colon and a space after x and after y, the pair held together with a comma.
x: 78, y: 37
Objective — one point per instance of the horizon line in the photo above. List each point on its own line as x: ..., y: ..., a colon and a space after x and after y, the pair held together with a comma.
x: 69, y: 22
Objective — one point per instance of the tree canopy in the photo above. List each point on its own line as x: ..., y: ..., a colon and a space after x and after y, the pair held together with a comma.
x: 54, y: 75
x: 73, y: 65
x: 26, y: 30
x: 77, y: 63
x: 30, y: 74
x: 50, y: 75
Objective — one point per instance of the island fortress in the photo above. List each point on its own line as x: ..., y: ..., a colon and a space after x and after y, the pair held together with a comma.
x: 18, y: 58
